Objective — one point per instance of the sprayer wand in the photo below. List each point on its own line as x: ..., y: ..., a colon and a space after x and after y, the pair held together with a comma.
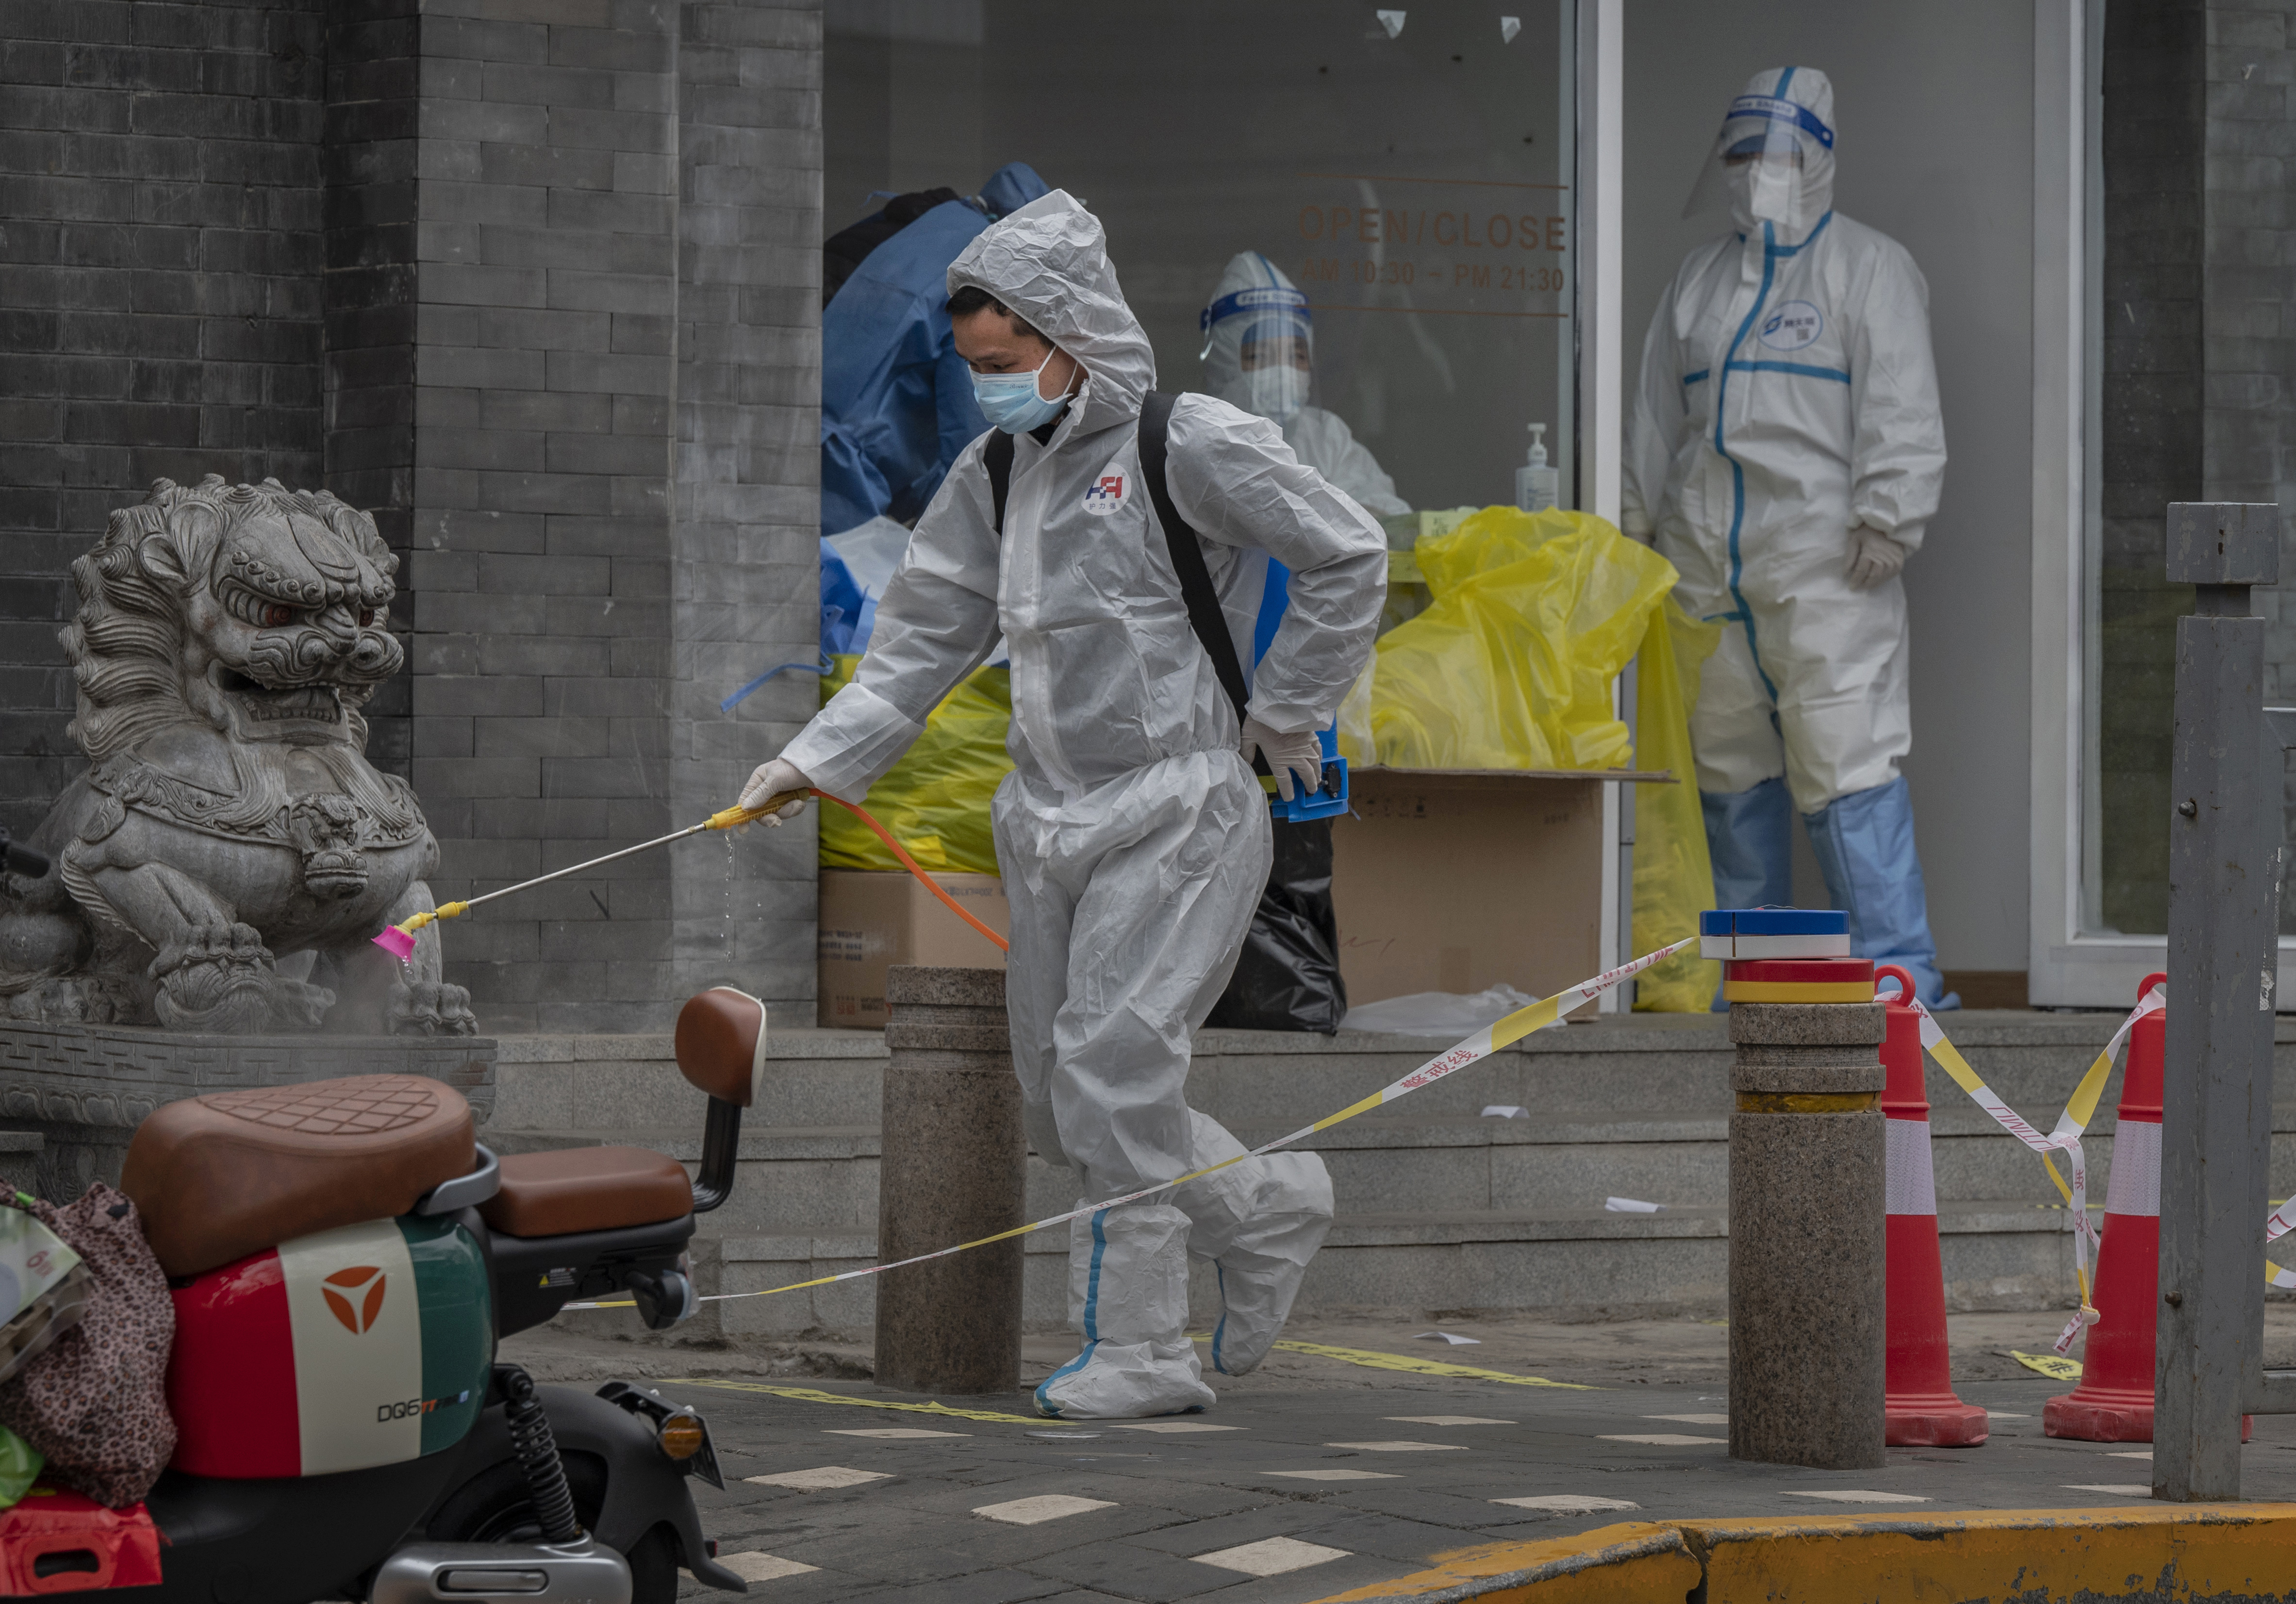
x: 398, y: 939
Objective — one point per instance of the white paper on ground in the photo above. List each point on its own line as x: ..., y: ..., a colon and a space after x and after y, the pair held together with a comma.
x: 1437, y: 1013
x: 1630, y: 1206
x: 1505, y: 1111
x: 1455, y: 1341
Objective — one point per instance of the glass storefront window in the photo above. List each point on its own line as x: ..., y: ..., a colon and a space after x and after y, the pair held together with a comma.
x: 1410, y: 171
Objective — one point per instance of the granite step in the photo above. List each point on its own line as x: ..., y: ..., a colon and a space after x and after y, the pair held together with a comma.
x: 1439, y: 1207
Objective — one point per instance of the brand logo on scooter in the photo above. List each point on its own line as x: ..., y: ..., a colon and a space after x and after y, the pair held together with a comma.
x: 362, y: 1282
x: 1794, y: 325
x: 1106, y: 494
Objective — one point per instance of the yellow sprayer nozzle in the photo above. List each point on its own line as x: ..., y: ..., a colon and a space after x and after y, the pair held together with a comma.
x: 727, y: 818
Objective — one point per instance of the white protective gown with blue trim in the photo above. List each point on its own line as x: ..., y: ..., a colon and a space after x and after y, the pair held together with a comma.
x: 1788, y: 394
x: 1133, y: 838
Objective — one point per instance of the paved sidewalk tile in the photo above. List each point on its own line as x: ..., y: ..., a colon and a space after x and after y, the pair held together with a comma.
x: 1568, y: 1503
x: 821, y: 1478
x: 757, y: 1566
x: 1043, y: 1507
x: 1273, y: 1556
x: 1279, y: 1518
x: 987, y: 1587
x: 1333, y: 1476
x: 1402, y: 1447
x: 1857, y: 1495
x: 1173, y: 1427
x: 1693, y: 1420
x: 1659, y: 1439
x: 893, y: 1433
x: 1132, y: 1571
x: 2118, y: 1489
x: 1449, y: 1420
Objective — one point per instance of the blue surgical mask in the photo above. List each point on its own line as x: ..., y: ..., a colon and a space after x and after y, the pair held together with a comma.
x: 1010, y: 401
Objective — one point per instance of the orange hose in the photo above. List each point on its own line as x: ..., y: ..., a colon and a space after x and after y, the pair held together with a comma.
x: 910, y: 864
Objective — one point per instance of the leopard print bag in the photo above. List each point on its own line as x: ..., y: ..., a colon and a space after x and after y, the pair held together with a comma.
x: 96, y: 1404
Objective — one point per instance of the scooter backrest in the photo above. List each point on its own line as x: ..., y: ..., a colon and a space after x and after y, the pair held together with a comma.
x: 721, y: 1043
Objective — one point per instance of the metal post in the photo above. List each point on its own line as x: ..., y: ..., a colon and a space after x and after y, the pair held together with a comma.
x: 2223, y: 950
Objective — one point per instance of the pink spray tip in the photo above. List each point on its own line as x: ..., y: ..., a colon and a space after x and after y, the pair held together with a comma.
x: 397, y: 942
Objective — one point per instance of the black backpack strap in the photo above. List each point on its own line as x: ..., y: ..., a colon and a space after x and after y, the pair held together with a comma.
x: 997, y: 456
x: 1204, y: 615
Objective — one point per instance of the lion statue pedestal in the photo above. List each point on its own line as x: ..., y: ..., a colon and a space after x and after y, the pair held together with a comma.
x: 222, y: 866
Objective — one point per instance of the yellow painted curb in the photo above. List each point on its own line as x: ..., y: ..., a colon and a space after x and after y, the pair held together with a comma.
x: 2156, y: 1554
x: 1639, y: 1562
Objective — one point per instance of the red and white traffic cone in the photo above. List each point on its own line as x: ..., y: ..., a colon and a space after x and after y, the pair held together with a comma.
x: 2113, y: 1402
x: 1922, y: 1410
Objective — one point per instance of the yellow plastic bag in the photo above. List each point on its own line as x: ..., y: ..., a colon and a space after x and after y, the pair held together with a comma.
x: 1674, y: 878
x: 935, y: 800
x: 1511, y: 665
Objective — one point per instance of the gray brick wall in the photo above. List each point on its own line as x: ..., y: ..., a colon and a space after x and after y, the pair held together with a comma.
x: 536, y: 282
x: 160, y: 308
x: 744, y: 582
x: 374, y: 73
x: 2200, y: 130
x: 2249, y: 329
x: 614, y: 488
x: 2154, y: 131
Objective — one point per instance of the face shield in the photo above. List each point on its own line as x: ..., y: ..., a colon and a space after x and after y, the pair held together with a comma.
x: 1773, y: 163
x: 1260, y: 350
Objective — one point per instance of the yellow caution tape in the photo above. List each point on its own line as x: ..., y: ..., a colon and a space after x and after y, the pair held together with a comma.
x: 1372, y: 1359
x: 2054, y: 1366
x: 1512, y: 1028
x: 2080, y: 1109
x: 808, y: 1394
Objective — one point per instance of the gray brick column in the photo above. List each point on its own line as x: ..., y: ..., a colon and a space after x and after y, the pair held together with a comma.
x: 744, y: 578
x: 616, y: 386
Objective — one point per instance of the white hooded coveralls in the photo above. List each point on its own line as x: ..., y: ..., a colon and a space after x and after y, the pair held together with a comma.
x: 1133, y: 838
x: 1320, y: 438
x: 1788, y: 393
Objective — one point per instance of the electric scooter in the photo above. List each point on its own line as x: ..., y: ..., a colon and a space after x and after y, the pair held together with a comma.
x: 459, y: 1478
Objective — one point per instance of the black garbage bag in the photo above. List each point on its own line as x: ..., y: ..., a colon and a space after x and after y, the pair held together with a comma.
x: 1288, y: 976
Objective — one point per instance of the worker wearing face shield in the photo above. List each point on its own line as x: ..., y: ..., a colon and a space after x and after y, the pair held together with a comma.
x: 1785, y: 453
x: 1259, y: 352
x: 1133, y: 835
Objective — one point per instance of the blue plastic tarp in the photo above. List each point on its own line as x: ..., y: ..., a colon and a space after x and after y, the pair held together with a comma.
x: 896, y: 400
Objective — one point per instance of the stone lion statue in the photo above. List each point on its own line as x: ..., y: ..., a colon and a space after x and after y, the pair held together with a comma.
x: 224, y: 862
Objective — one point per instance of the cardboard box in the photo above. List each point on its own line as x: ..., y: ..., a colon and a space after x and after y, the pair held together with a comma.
x: 872, y: 920
x: 1456, y: 881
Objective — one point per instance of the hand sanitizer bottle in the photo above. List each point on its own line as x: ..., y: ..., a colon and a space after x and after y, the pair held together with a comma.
x: 1537, y: 487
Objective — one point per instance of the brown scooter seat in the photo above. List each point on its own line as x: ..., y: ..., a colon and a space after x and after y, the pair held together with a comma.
x: 569, y: 1190
x: 218, y: 1177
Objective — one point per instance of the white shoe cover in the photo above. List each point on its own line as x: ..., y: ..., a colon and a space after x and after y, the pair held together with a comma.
x: 1128, y: 1295
x: 1260, y: 1222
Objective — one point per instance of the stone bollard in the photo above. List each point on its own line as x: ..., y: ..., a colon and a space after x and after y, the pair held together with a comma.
x: 1808, y: 1235
x: 953, y: 1170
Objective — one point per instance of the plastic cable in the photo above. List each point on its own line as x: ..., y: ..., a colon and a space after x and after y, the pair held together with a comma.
x: 1502, y: 1033
x: 2080, y: 1109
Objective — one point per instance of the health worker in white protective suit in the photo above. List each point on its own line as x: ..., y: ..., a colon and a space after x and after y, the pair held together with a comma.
x: 1785, y: 453
x: 1260, y: 354
x: 1132, y: 833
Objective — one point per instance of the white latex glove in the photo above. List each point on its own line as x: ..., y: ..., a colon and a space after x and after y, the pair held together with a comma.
x: 1873, y: 557
x: 1289, y: 757
x: 770, y: 779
